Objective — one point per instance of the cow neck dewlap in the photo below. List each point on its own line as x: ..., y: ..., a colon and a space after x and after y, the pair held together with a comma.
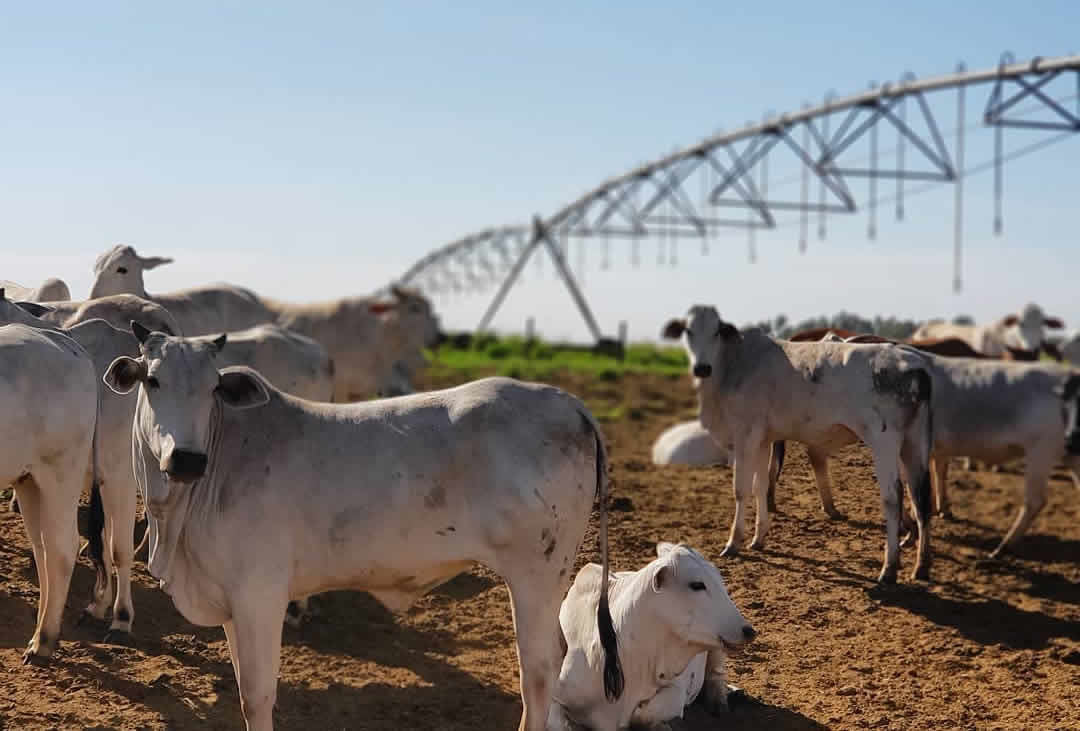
x: 193, y: 515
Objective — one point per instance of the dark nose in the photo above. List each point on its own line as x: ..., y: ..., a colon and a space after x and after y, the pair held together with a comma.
x: 702, y: 370
x: 749, y: 633
x: 185, y: 466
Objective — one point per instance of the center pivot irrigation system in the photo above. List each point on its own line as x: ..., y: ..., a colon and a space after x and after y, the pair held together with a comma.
x: 688, y: 193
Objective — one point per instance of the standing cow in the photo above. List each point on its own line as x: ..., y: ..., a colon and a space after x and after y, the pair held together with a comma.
x: 1023, y: 332
x: 754, y: 390
x: 48, y: 398
x: 256, y: 497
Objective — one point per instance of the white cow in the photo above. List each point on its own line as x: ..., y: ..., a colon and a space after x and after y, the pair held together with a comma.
x: 754, y: 390
x: 112, y: 522
x: 376, y: 344
x: 675, y: 623
x: 256, y: 497
x: 1025, y: 332
x: 49, y: 290
x: 48, y: 398
x: 117, y: 310
x: 689, y: 443
x: 997, y: 411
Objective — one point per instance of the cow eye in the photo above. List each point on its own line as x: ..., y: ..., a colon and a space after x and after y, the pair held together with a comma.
x: 697, y: 586
x: 152, y: 382
x: 121, y: 270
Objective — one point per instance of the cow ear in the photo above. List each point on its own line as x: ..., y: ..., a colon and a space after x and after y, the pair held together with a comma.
x: 151, y: 262
x: 1070, y: 388
x: 674, y: 329
x: 218, y: 343
x: 34, y: 308
x: 1010, y: 320
x: 663, y: 548
x: 140, y: 332
x: 124, y: 374
x: 1054, y: 323
x: 241, y: 390
x: 661, y: 577
x: 727, y: 331
x: 380, y: 308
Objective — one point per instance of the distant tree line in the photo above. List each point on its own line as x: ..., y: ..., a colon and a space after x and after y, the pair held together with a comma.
x: 887, y: 327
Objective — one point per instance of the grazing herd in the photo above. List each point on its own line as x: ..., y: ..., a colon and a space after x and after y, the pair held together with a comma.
x: 236, y: 418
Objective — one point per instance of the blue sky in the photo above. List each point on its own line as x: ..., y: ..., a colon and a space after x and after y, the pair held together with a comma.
x: 318, y: 149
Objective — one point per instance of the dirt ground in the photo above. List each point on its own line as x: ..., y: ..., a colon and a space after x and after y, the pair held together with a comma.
x: 984, y: 645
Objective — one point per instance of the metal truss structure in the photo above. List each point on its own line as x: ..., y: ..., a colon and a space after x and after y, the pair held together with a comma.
x: 722, y: 181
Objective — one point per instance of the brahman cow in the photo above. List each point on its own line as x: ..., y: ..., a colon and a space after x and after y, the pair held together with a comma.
x: 52, y: 289
x: 49, y: 399
x: 376, y: 344
x: 256, y: 497
x: 689, y: 443
x: 754, y: 390
x: 1025, y: 331
x: 675, y: 623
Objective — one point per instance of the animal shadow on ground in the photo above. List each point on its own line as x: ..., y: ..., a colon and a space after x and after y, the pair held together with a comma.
x: 750, y: 714
x: 987, y: 621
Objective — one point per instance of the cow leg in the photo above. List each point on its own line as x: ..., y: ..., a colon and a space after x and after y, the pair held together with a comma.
x: 819, y: 461
x: 776, y: 465
x: 534, y: 603
x: 745, y: 467
x: 714, y: 691
x: 1035, y: 478
x: 54, y: 524
x: 254, y: 636
x: 941, y: 486
x: 915, y: 458
x: 119, y: 503
x: 761, y: 491
x: 668, y: 704
x: 27, y: 491
x: 888, y: 474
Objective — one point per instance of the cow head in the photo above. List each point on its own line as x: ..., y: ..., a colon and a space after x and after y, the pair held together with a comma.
x: 706, y: 337
x: 1070, y: 396
x: 120, y: 271
x: 179, y: 388
x: 692, y: 602
x: 1030, y: 327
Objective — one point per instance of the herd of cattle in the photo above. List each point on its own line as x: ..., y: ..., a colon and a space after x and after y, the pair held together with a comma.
x: 235, y: 418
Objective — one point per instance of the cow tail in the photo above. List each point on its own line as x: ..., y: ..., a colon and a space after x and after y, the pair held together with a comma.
x: 95, y: 527
x: 613, y: 674
x: 923, y: 488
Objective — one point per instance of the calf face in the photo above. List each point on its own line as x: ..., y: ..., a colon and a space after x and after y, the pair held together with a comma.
x: 706, y: 335
x: 180, y: 387
x: 693, y: 602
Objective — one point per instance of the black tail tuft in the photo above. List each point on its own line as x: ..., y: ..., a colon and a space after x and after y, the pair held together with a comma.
x: 95, y: 527
x: 613, y: 674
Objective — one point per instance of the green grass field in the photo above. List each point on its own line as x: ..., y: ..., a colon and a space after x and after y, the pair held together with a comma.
x: 535, y: 359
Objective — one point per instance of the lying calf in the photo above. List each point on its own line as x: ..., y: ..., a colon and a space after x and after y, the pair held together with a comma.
x: 674, y: 621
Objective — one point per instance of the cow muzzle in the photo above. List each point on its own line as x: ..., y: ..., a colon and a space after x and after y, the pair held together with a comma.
x: 184, y: 466
x: 748, y: 635
x: 702, y: 370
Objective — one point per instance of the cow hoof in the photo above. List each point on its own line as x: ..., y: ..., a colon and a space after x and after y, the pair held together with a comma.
x: 730, y: 551
x: 757, y: 544
x: 118, y: 637
x: 32, y: 658
x: 735, y: 697
x: 946, y: 514
x: 771, y: 505
x: 833, y: 514
x: 887, y: 576
x: 921, y: 573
